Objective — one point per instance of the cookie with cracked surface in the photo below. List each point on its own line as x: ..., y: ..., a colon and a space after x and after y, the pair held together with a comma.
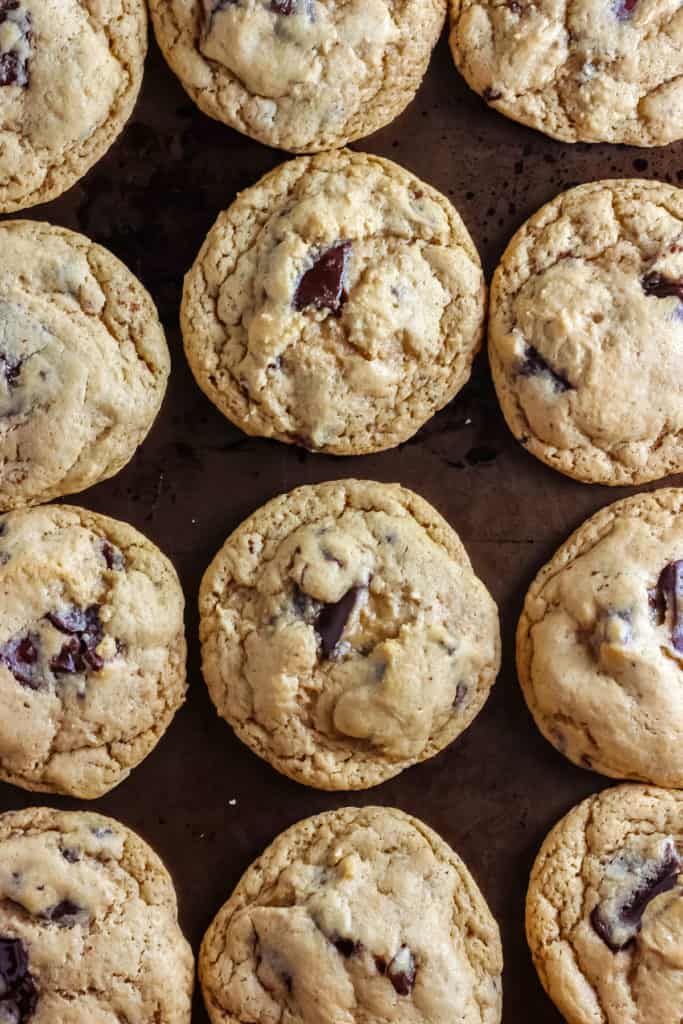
x: 302, y: 75
x: 70, y: 73
x: 600, y: 642
x: 337, y: 304
x: 354, y: 915
x: 83, y: 363
x: 88, y: 924
x: 586, y: 332
x: 92, y: 649
x: 604, y: 914
x: 345, y: 635
x: 580, y: 70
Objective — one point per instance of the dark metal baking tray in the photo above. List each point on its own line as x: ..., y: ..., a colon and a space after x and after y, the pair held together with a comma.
x: 203, y: 800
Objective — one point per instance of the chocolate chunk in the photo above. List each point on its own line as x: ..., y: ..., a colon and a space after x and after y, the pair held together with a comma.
x: 64, y: 914
x: 10, y: 368
x: 492, y: 95
x: 332, y: 619
x: 20, y: 655
x: 285, y: 7
x: 618, y: 921
x: 18, y: 992
x: 112, y: 556
x: 79, y: 653
x: 624, y: 9
x: 381, y: 964
x: 70, y: 855
x: 14, y: 62
x: 322, y: 285
x: 347, y: 947
x: 402, y: 971
x: 535, y: 365
x: 663, y: 287
x: 669, y: 598
x: 460, y: 696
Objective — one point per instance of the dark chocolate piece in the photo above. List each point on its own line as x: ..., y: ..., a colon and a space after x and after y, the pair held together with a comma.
x: 18, y: 992
x: 20, y: 655
x: 535, y: 365
x: 332, y: 619
x: 322, y: 286
x: 663, y: 287
x: 402, y: 971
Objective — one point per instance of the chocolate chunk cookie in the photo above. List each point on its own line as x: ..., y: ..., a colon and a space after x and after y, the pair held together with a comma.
x: 88, y: 925
x: 586, y: 332
x: 70, y: 73
x: 303, y: 75
x: 580, y: 70
x: 354, y: 915
x: 92, y: 650
x: 600, y: 642
x: 83, y: 363
x: 345, y: 635
x: 604, y: 909
x: 337, y: 304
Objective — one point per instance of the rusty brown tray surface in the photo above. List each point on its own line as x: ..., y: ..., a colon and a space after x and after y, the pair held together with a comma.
x: 206, y: 803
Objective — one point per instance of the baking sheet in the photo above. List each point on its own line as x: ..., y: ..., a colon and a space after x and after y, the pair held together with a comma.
x: 207, y: 804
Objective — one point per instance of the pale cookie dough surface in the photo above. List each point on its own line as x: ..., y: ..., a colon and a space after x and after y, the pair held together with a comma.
x: 83, y: 363
x: 337, y: 304
x: 70, y: 73
x: 92, y: 649
x: 578, y: 70
x: 600, y: 642
x: 586, y: 332
x: 605, y: 909
x: 303, y: 75
x: 88, y: 925
x: 354, y: 917
x: 345, y: 635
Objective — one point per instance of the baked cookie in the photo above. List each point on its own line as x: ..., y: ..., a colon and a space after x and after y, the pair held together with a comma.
x: 337, y: 304
x: 70, y: 73
x: 604, y: 910
x: 88, y: 925
x: 580, y: 70
x: 92, y: 649
x: 354, y: 915
x: 302, y: 75
x: 345, y: 635
x: 600, y: 642
x: 83, y: 363
x: 586, y: 332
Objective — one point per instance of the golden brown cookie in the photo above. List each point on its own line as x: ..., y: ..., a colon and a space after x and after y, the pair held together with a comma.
x: 345, y: 635
x: 337, y: 304
x: 586, y: 332
x: 354, y: 915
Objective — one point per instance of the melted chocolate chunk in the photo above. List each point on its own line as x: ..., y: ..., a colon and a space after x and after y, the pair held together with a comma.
x: 285, y: 7
x: 402, y: 971
x: 663, y: 287
x: 460, y: 696
x: 20, y: 655
x: 618, y: 925
x: 65, y: 914
x: 14, y: 62
x: 332, y: 619
x: 10, y: 368
x: 79, y: 653
x: 18, y: 992
x: 381, y: 965
x: 535, y: 365
x: 668, y: 598
x: 322, y: 285
x: 492, y: 95
x: 625, y: 8
x: 347, y: 947
x: 112, y: 556
x: 70, y: 855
